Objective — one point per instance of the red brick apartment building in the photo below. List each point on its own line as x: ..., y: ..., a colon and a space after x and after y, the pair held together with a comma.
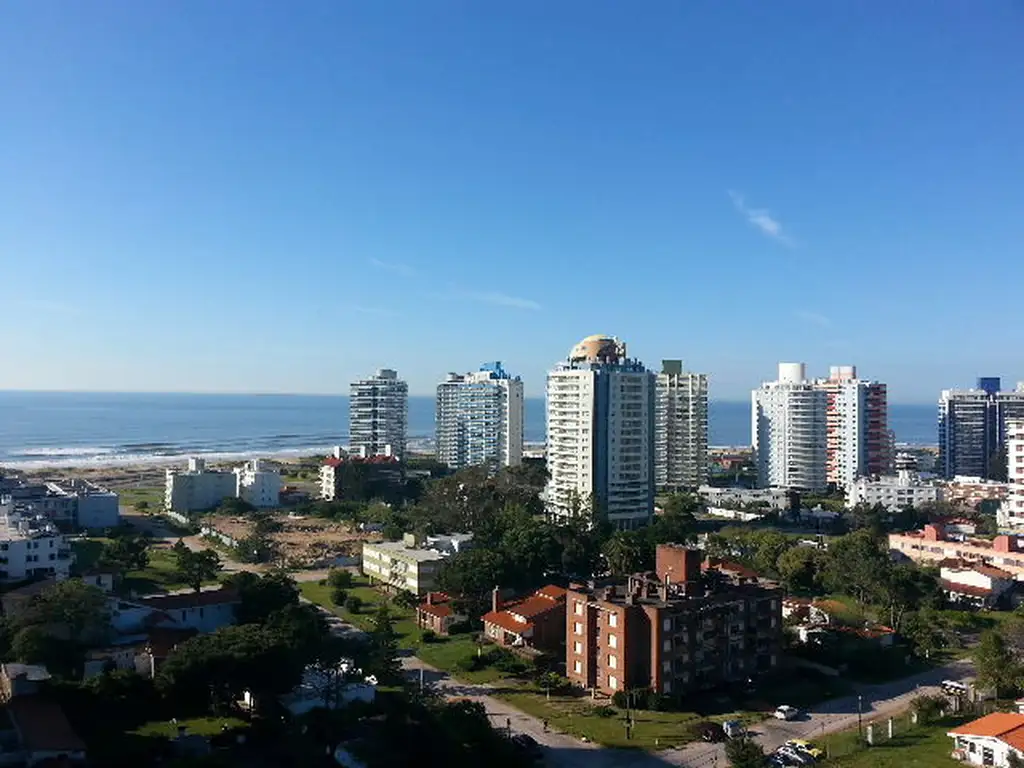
x: 673, y: 630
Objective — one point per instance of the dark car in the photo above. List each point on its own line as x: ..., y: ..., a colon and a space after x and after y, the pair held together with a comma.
x: 528, y: 746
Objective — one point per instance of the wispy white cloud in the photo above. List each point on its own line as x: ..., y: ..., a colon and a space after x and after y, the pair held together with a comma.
x: 815, y: 318
x: 397, y: 269
x: 762, y: 219
x: 500, y: 299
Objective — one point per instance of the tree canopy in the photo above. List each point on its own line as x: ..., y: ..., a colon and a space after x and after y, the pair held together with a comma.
x: 194, y: 568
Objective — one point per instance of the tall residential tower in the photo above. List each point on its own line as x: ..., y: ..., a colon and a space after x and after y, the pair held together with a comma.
x: 378, y: 415
x: 680, y: 427
x: 600, y: 427
x: 973, y: 425
x: 856, y: 427
x: 788, y: 428
x: 479, y: 418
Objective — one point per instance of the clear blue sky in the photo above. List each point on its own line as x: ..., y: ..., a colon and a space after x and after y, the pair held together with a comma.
x: 278, y: 196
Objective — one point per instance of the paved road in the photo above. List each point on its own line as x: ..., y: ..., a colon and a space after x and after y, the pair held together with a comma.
x: 879, y: 702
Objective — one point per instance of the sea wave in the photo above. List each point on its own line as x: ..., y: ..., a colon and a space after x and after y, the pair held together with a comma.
x: 77, y: 450
x: 101, y: 460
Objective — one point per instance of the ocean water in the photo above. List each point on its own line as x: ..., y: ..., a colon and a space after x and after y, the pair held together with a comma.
x: 69, y: 428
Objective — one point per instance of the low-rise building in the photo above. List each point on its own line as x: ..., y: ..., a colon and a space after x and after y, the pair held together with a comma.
x: 673, y: 631
x: 931, y: 545
x: 340, y: 469
x: 537, y: 621
x: 972, y: 491
x: 770, y: 499
x: 38, y: 732
x: 71, y: 504
x: 437, y: 613
x: 974, y: 584
x: 989, y: 740
x: 258, y: 484
x: 32, y: 547
x: 203, y: 611
x: 412, y: 564
x: 894, y: 492
x: 197, y: 489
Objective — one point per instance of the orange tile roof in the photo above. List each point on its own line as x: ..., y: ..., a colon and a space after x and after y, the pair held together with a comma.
x: 552, y: 591
x: 441, y: 611
x: 1005, y: 726
x: 505, y: 620
x: 532, y: 606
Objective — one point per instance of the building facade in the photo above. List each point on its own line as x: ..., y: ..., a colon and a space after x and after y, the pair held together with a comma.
x: 788, y: 431
x: 379, y: 414
x: 680, y: 427
x: 856, y: 427
x: 479, y: 419
x: 673, y: 631
x: 32, y: 547
x: 932, y: 544
x: 412, y: 564
x: 197, y: 488
x: 973, y: 425
x: 1012, y: 511
x: 258, y: 484
x: 73, y: 503
x: 894, y: 492
x: 600, y: 434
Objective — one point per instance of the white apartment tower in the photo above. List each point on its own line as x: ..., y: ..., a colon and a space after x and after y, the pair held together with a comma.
x: 479, y: 418
x: 379, y: 414
x: 788, y: 428
x: 680, y: 427
x: 600, y: 434
x: 1012, y: 512
x: 856, y: 426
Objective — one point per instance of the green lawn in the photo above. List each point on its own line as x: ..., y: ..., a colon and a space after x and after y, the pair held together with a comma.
x: 203, y: 726
x: 404, y: 619
x: 159, y: 576
x: 154, y: 496
x: 918, y: 747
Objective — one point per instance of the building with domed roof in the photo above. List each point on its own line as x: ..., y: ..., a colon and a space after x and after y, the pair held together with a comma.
x: 600, y: 428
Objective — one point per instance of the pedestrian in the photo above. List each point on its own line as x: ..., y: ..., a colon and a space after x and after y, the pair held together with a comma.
x: 545, y: 726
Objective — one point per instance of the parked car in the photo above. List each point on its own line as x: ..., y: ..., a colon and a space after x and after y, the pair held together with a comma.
x: 954, y: 688
x: 805, y: 747
x: 794, y: 757
x: 786, y: 712
x: 733, y: 728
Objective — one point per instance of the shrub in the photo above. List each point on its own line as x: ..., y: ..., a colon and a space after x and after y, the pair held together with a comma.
x: 605, y: 711
x: 339, y: 578
x: 406, y: 600
x: 339, y: 596
x: 928, y: 708
x: 354, y: 604
x: 619, y: 699
x: 459, y: 627
x: 429, y: 636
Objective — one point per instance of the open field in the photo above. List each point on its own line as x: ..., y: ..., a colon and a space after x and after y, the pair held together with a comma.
x: 159, y: 576
x: 202, y: 726
x: 925, y: 746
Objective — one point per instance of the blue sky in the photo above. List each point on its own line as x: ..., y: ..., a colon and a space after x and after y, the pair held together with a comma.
x: 268, y: 196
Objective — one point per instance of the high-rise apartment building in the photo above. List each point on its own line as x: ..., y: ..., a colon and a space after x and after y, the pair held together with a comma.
x: 973, y: 425
x: 1011, y: 513
x: 379, y: 414
x: 479, y: 418
x: 788, y: 431
x: 856, y: 427
x: 600, y: 434
x: 673, y: 631
x: 680, y: 427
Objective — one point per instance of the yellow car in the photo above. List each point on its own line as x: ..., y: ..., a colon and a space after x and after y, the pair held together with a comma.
x: 800, y: 745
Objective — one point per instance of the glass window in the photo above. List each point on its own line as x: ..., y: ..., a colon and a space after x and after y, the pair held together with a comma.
x: 667, y: 625
x: 613, y: 662
x: 613, y: 682
x: 578, y: 667
x: 577, y: 647
x: 577, y: 628
x: 613, y: 619
x: 578, y: 608
x: 613, y: 641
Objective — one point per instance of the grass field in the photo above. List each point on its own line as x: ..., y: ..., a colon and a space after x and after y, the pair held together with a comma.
x: 918, y: 747
x: 159, y: 576
x: 203, y: 726
x: 154, y: 496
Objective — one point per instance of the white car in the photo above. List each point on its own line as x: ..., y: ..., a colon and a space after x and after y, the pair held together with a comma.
x: 786, y: 712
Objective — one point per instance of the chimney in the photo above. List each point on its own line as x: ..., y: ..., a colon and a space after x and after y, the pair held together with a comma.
x: 1003, y: 544
x: 933, y: 532
x: 677, y: 564
x: 430, y: 598
x: 496, y: 599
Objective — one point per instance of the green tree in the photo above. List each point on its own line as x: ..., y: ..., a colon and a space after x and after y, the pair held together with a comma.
x: 470, y: 576
x: 903, y: 587
x: 142, y: 507
x: 354, y: 604
x: 1013, y: 760
x: 124, y: 554
x: 624, y: 553
x: 744, y: 753
x: 194, y: 568
x: 383, y: 651
x: 995, y: 665
x: 339, y: 578
x: 800, y: 568
x: 261, y: 597
x: 71, y: 609
x: 682, y: 504
x: 857, y: 563
x: 36, y: 645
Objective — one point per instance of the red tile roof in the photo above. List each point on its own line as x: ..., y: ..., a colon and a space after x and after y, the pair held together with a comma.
x: 184, y: 600
x: 532, y: 607
x: 43, y: 726
x: 545, y: 599
x: 727, y: 566
x: 1005, y: 726
x: 505, y: 620
x: 965, y: 589
x: 441, y: 611
x: 552, y: 591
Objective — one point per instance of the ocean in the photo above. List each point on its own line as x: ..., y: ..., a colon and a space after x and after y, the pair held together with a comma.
x: 80, y: 429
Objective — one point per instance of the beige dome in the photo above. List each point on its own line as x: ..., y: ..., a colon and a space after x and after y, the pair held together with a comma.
x: 599, y: 349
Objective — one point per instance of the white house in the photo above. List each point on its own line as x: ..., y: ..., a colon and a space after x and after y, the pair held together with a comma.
x: 31, y: 546
x: 258, y: 484
x: 977, y: 584
x: 989, y: 740
x: 204, y: 612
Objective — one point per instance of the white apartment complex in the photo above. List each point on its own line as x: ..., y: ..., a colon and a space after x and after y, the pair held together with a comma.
x: 856, y: 426
x: 680, y: 427
x: 600, y: 434
x: 788, y: 431
x: 258, y: 484
x: 479, y: 418
x: 31, y: 547
x: 412, y: 564
x: 379, y: 414
x: 894, y: 492
x: 1012, y: 511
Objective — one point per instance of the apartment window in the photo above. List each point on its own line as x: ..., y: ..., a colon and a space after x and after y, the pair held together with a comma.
x: 667, y: 645
x: 578, y: 608
x: 613, y: 619
x: 613, y: 682
x: 667, y: 625
x: 613, y: 661
x: 613, y: 641
x: 666, y: 666
x: 577, y: 647
x: 666, y: 687
x: 577, y: 628
x: 577, y: 667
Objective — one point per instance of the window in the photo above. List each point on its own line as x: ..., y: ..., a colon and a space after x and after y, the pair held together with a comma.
x: 613, y: 661
x: 578, y: 608
x: 613, y: 619
x: 577, y: 667
x: 613, y: 641
x: 577, y: 628
x: 613, y: 682
x: 667, y: 625
x: 577, y: 647
x: 667, y: 645
x: 666, y: 687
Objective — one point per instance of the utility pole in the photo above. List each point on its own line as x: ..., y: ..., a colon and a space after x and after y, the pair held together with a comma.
x: 860, y: 714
